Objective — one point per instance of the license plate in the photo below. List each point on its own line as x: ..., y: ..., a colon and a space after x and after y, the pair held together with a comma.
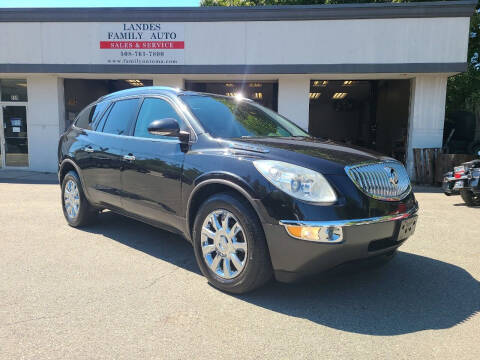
x: 407, y: 228
x: 458, y: 185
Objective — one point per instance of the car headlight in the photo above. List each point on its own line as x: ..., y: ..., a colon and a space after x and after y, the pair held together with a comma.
x: 297, y: 181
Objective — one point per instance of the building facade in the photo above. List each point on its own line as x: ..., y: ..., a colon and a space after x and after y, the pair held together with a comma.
x: 372, y: 75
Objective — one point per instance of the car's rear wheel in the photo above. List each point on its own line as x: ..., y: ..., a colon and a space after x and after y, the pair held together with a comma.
x: 230, y: 245
x: 470, y: 198
x: 76, y: 208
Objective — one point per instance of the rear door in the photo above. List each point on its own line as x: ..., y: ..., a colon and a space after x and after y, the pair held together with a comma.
x: 85, y: 141
x: 106, y: 152
x: 152, y: 177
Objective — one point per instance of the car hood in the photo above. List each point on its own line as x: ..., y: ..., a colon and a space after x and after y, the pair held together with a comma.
x: 325, y: 155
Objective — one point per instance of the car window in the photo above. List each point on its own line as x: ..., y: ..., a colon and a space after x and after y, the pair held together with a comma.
x: 100, y: 123
x: 233, y: 118
x: 120, y: 116
x: 97, y: 112
x: 89, y: 115
x: 154, y: 109
x: 84, y: 119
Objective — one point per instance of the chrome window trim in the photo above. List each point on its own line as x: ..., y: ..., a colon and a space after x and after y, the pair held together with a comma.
x: 131, y: 137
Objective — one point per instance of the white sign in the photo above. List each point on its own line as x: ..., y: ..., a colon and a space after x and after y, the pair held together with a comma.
x: 140, y: 43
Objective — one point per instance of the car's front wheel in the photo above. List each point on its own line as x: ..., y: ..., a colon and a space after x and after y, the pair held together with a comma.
x: 230, y: 245
x: 76, y: 208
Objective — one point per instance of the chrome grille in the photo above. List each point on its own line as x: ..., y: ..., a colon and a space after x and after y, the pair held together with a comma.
x: 385, y: 181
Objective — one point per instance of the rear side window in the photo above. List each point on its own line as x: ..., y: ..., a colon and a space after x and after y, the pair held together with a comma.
x: 98, y: 111
x: 84, y: 119
x: 88, y: 116
x: 120, y: 117
x: 154, y: 109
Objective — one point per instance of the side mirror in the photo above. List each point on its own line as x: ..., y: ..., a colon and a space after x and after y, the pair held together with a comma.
x: 168, y: 127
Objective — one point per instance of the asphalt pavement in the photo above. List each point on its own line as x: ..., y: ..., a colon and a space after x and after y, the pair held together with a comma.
x: 125, y: 290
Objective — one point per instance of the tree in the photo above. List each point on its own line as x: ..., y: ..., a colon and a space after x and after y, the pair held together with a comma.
x: 463, y: 92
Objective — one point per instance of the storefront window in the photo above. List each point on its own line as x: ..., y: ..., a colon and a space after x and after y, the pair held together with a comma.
x: 263, y: 92
x: 81, y: 92
x: 13, y: 89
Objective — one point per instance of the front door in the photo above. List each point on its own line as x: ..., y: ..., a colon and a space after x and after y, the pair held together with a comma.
x: 152, y: 173
x: 13, y: 136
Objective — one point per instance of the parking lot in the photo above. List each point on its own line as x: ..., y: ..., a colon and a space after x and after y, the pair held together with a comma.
x: 122, y: 289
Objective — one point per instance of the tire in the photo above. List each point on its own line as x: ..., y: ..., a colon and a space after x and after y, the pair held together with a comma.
x: 470, y: 198
x: 248, y: 245
x: 72, y: 191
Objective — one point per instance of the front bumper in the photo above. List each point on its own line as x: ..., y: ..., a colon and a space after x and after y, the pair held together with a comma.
x: 294, y: 258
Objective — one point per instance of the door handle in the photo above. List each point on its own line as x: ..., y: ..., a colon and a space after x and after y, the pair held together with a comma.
x: 89, y: 149
x: 129, y: 157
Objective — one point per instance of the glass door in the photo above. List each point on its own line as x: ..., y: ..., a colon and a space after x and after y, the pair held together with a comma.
x: 14, y: 136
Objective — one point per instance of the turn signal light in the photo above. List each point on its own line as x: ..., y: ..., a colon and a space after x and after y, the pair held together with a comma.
x: 328, y: 234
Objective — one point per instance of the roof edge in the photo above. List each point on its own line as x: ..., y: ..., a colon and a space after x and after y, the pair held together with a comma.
x: 463, y: 8
x: 363, y: 68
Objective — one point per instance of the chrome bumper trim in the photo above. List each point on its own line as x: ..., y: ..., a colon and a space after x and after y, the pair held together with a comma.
x: 352, y: 222
x: 464, y: 177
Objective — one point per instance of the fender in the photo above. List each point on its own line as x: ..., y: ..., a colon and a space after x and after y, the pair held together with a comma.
x: 77, y: 169
x: 229, y: 180
x: 224, y: 176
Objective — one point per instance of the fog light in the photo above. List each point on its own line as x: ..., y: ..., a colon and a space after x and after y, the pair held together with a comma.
x: 327, y: 234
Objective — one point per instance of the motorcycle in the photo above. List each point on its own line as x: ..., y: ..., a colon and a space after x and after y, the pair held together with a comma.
x: 464, y: 180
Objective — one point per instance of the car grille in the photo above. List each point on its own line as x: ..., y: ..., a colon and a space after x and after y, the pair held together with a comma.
x: 385, y: 181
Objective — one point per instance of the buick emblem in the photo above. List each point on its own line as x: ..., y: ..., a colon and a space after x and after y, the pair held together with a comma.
x: 392, y: 175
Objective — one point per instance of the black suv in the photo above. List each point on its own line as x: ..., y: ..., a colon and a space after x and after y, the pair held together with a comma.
x: 253, y: 193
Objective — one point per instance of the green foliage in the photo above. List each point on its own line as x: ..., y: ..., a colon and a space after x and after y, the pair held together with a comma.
x: 463, y: 91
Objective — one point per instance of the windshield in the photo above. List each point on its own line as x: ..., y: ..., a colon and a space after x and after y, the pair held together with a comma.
x: 232, y: 118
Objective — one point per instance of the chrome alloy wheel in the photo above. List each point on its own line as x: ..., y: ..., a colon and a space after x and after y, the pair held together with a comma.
x: 71, y: 199
x: 224, y: 245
